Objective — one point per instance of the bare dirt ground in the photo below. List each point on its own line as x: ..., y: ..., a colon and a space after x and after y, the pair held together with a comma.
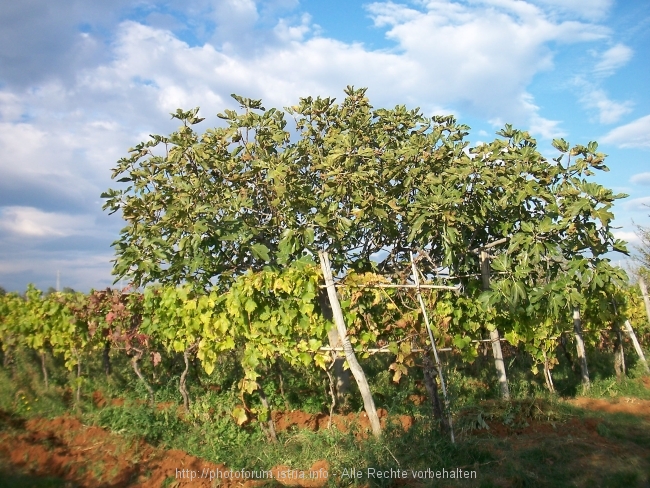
x: 315, y: 422
x: 632, y: 406
x: 89, y: 456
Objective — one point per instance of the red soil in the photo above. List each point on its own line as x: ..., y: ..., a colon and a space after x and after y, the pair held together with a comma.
x: 315, y: 422
x: 92, y: 457
x: 632, y: 406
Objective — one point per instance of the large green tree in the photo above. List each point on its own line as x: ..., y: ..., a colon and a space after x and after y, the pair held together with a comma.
x: 368, y: 185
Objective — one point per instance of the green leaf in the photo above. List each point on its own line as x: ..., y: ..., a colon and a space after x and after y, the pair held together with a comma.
x: 260, y: 251
x: 250, y: 305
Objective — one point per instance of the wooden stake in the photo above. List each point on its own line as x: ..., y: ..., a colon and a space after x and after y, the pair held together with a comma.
x: 341, y: 375
x: 416, y: 279
x: 547, y: 374
x: 637, y: 346
x: 45, y: 376
x: 580, y: 347
x: 646, y: 300
x: 355, y: 367
x: 494, y: 334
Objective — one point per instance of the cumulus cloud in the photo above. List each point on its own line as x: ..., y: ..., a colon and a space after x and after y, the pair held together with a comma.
x: 613, y: 59
x: 446, y: 54
x: 37, y: 244
x: 80, y: 86
x: 595, y: 99
x: 641, y: 204
x: 590, y: 10
x: 628, y: 236
x: 609, y: 111
x: 40, y: 39
x: 32, y: 222
x: 641, y: 179
x: 635, y: 134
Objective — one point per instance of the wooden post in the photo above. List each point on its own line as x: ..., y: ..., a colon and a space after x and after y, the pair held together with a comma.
x: 494, y: 334
x: 547, y: 374
x: 355, y: 367
x: 580, y: 347
x: 637, y: 346
x: 646, y: 300
x: 341, y: 375
x: 416, y: 279
x: 45, y: 377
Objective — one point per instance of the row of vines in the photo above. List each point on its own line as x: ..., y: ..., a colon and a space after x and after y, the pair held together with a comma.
x: 271, y: 315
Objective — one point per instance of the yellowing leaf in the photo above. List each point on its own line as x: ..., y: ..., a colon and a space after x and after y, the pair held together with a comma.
x: 239, y: 414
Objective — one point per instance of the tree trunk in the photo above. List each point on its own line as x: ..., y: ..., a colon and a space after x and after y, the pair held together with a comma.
x: 580, y: 348
x: 106, y: 359
x: 619, y: 358
x: 431, y: 384
x: 567, y: 354
x: 183, y: 383
x: 446, y: 424
x: 135, y: 363
x: 45, y: 376
x: 355, y: 367
x: 332, y: 396
x: 494, y: 334
x: 265, y: 404
x: 78, y: 394
x: 281, y: 384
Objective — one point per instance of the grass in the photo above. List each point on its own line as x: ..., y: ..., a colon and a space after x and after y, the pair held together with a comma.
x: 28, y: 481
x: 536, y: 439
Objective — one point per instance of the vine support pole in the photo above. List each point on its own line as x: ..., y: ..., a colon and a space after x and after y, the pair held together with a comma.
x: 341, y: 375
x: 355, y: 367
x: 416, y: 279
x: 637, y: 346
x: 44, y: 368
x: 580, y: 347
x: 646, y: 300
x: 494, y: 334
x: 547, y: 375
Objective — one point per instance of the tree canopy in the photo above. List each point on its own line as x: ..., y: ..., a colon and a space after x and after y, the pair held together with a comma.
x: 368, y: 185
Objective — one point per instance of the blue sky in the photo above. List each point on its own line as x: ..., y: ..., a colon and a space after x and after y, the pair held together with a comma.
x: 81, y: 81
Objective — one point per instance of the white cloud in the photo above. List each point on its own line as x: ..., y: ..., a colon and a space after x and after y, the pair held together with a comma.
x: 641, y: 204
x: 641, y: 179
x: 609, y: 111
x: 60, y: 138
x: 634, y: 134
x: 10, y: 107
x: 548, y: 129
x: 594, y: 98
x: 31, y: 222
x: 627, y: 236
x: 287, y: 32
x: 587, y: 9
x: 612, y: 59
